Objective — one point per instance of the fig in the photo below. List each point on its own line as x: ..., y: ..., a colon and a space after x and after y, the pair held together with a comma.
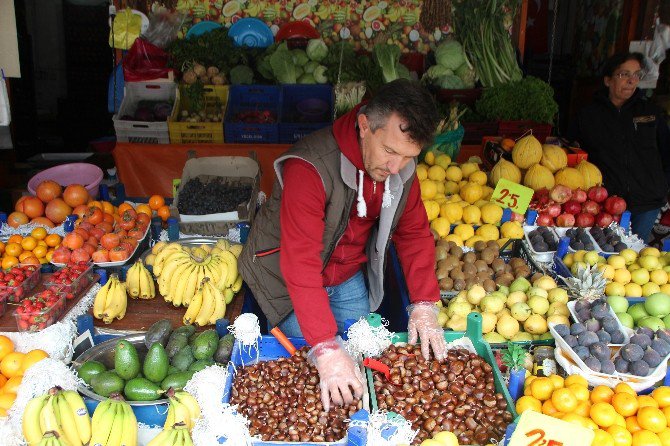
x: 652, y: 358
x: 600, y: 351
x: 584, y: 315
x: 644, y: 330
x: 592, y: 363
x: 663, y: 334
x: 588, y: 338
x: 610, y: 324
x: 592, y: 325
x: 617, y: 337
x: 607, y: 367
x: 604, y: 337
x: 641, y: 339
x: 632, y: 352
x: 661, y: 347
x: 577, y: 329
x: 562, y: 330
x: 571, y: 341
x: 582, y: 352
x: 638, y: 368
x: 621, y: 365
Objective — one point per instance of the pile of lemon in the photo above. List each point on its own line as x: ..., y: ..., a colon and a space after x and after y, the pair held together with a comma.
x: 457, y: 194
x: 618, y: 416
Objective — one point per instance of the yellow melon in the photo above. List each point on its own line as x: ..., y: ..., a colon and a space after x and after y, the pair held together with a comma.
x: 570, y: 177
x: 554, y: 157
x: 591, y: 174
x: 526, y: 152
x: 538, y: 177
x: 504, y: 169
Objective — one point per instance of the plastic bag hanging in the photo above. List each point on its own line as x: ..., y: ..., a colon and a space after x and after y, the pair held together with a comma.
x: 5, y: 112
x: 125, y: 28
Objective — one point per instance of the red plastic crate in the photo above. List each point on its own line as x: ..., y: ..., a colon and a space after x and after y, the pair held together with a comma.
x: 516, y: 129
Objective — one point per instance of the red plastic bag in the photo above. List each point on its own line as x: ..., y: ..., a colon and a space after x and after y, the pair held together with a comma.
x: 145, y: 61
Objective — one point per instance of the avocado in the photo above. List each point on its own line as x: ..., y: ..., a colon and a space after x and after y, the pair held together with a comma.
x: 183, y: 359
x: 172, y: 369
x: 89, y: 369
x: 106, y: 383
x: 176, y: 343
x: 177, y: 380
x: 188, y: 330
x: 200, y: 364
x: 156, y: 363
x: 126, y: 360
x: 158, y: 332
x: 141, y: 389
x: 224, y: 349
x: 205, y: 344
x: 192, y: 338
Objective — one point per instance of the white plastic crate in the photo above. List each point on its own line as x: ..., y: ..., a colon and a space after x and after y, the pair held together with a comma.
x: 143, y: 131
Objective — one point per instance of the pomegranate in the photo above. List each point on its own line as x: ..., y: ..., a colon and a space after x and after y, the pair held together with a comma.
x: 579, y: 195
x: 61, y: 255
x: 565, y: 220
x: 517, y: 217
x: 541, y: 196
x: 47, y: 190
x: 544, y: 220
x: 616, y: 218
x: 572, y: 207
x: 80, y: 255
x: 615, y: 205
x: 57, y: 210
x: 597, y: 194
x: 591, y: 207
x: 584, y: 220
x: 561, y: 194
x: 604, y: 219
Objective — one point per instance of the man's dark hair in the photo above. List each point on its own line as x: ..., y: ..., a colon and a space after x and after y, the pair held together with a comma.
x: 618, y: 59
x: 411, y: 102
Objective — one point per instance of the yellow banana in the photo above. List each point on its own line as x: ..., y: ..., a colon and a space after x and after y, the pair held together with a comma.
x: 181, y: 414
x: 236, y: 250
x: 172, y: 262
x: 190, y: 288
x: 213, y: 271
x: 237, y: 285
x: 190, y: 402
x: 102, y: 427
x: 133, y: 280
x: 219, y: 304
x: 118, y: 304
x: 228, y: 295
x: 124, y: 306
x: 80, y: 413
x: 201, y: 276
x: 129, y: 434
x: 67, y: 421
x: 146, y: 290
x: 231, y: 260
x: 32, y: 431
x: 116, y: 430
x: 48, y: 420
x: 112, y: 293
x: 193, y: 309
x: 152, y: 284
x: 101, y: 299
x: 180, y: 436
x: 165, y: 438
x: 168, y: 274
x: 164, y: 253
x: 207, y: 308
x: 187, y: 439
x: 99, y: 411
x: 223, y: 273
x: 178, y: 283
x: 169, y: 420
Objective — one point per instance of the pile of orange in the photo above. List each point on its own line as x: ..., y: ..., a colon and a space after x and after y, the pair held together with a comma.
x: 12, y: 367
x: 33, y: 249
x: 157, y: 204
x: 619, y: 417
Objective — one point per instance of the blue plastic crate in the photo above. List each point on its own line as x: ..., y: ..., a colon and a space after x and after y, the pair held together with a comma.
x: 250, y: 98
x: 305, y: 109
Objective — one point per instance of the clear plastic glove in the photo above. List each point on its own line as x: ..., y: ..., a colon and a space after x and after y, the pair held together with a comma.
x: 423, y: 325
x: 338, y: 374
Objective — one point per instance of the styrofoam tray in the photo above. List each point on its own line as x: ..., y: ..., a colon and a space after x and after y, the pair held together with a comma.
x: 221, y: 216
x: 539, y: 256
x: 560, y: 342
x: 627, y: 332
x: 560, y: 232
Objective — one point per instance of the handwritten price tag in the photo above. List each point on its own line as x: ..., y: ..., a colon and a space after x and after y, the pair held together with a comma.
x: 512, y: 195
x: 536, y: 429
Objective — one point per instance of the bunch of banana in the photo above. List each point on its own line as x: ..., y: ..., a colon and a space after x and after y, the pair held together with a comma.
x: 62, y: 412
x: 114, y: 423
x: 140, y: 282
x: 53, y: 439
x: 111, y: 300
x: 207, y: 306
x: 183, y: 409
x: 174, y: 436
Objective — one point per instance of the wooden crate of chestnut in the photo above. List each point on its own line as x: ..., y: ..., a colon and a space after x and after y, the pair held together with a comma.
x: 283, y: 401
x: 457, y: 395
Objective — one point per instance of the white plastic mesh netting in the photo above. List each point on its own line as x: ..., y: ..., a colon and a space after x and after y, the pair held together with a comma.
x: 365, y: 340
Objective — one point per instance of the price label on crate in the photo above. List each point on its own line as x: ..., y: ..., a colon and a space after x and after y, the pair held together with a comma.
x: 512, y: 195
x: 536, y: 429
x: 175, y: 185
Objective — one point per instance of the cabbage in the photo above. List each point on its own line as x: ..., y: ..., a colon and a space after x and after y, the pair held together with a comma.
x: 299, y: 57
x: 436, y: 71
x: 467, y: 75
x: 450, y: 54
x: 450, y: 82
x: 241, y: 74
x: 317, y: 50
x: 307, y: 78
x: 310, y: 66
x: 283, y: 67
x: 320, y: 74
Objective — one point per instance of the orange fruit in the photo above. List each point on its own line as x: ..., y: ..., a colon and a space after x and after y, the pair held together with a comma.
x: 646, y: 438
x: 6, y: 346
x: 542, y: 388
x: 646, y: 400
x: 664, y: 436
x: 52, y: 240
x: 32, y: 357
x: 29, y: 243
x: 557, y: 380
x: 662, y: 396
x: 15, y: 239
x: 38, y: 233
x: 625, y: 404
x: 107, y: 207
x: 13, y: 249
x: 548, y: 408
x: 632, y: 425
x: 527, y: 391
x: 583, y: 408
x: 651, y: 419
x: 602, y: 438
x: 7, y: 400
x: 24, y: 255
x: 3, y: 381
x: 666, y: 412
x: 12, y: 384
x: 144, y: 209
x: 156, y: 202
x: 2, y: 246
x: 528, y: 403
x: 9, y: 261
x: 620, y: 435
x: 589, y: 423
x: 620, y: 421
x: 40, y: 251
x: 564, y: 400
x: 575, y: 419
x: 529, y: 379
x: 581, y: 392
x: 603, y: 414
x: 163, y: 212
x: 624, y: 388
x: 11, y: 364
x: 576, y: 379
x: 601, y: 394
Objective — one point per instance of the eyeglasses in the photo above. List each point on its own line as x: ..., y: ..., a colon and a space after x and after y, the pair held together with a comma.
x: 638, y: 75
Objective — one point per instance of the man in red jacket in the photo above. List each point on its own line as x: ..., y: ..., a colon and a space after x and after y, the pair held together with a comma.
x: 341, y: 195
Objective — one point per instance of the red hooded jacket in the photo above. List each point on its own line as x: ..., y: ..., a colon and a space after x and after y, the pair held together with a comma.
x: 302, y: 225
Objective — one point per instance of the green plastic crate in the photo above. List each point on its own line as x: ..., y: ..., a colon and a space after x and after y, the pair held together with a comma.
x: 482, y: 348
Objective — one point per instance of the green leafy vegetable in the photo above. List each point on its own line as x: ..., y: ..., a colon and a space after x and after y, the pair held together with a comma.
x: 241, y: 74
x: 317, y: 50
x: 283, y: 67
x: 320, y: 75
x: 299, y: 57
x: 528, y: 99
x: 307, y: 78
x: 450, y: 82
x: 450, y: 54
x: 388, y: 58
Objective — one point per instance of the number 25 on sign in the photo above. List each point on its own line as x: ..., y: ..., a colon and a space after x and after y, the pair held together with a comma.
x: 512, y: 195
x: 536, y: 429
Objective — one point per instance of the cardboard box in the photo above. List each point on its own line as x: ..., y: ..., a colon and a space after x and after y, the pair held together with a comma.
x: 234, y: 170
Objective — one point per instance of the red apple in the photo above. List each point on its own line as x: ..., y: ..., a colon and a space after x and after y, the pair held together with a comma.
x: 561, y: 194
x: 584, y: 220
x: 604, y: 219
x: 615, y: 205
x: 597, y: 194
x: 565, y: 220
x: 572, y: 207
x: 591, y: 207
x: 579, y: 195
x: 544, y: 220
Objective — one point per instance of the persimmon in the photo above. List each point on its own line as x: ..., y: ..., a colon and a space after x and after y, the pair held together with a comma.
x: 109, y: 218
x: 100, y: 256
x: 73, y: 241
x: 110, y: 241
x: 117, y: 254
x: 143, y: 220
x: 83, y: 232
x: 123, y: 207
x: 107, y: 207
x: 105, y: 226
x: 94, y: 215
x: 80, y: 210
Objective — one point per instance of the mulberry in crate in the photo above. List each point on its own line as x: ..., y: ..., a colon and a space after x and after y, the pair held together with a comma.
x: 213, y: 197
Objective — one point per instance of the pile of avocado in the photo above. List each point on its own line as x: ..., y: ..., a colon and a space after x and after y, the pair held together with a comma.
x: 172, y: 359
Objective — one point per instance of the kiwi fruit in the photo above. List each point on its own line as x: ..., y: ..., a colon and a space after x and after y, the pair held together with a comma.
x: 469, y: 269
x: 504, y: 280
x: 481, y: 266
x: 498, y: 265
x: 485, y: 275
x: 469, y: 257
x: 446, y: 284
x: 535, y: 277
x: 516, y: 262
x: 459, y: 284
x: 443, y: 243
x: 487, y: 256
x: 480, y: 246
x: 440, y: 253
x: 489, y: 285
x: 493, y: 244
x: 456, y: 274
x: 441, y: 273
x: 455, y: 250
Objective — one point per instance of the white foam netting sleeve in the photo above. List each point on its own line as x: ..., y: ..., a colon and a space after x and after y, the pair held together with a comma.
x: 365, y: 340
x: 24, y: 230
x: 384, y: 429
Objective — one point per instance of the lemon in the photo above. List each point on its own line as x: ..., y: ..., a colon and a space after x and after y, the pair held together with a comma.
x: 428, y: 189
x: 633, y: 290
x: 650, y: 288
x: 454, y: 174
x: 491, y: 213
x: 464, y: 231
x: 441, y: 225
x: 440, y: 188
x: 471, y: 192
x: 511, y: 229
x: 616, y: 261
x: 468, y: 169
x: 569, y: 259
x: 422, y: 172
x: 451, y: 188
x: 436, y: 173
x: 443, y: 161
x: 472, y: 215
x: 659, y: 277
x: 478, y: 177
x: 487, y: 192
x: 622, y: 276
x: 502, y: 241
x: 451, y: 211
x: 432, y: 209
x: 488, y: 232
x: 607, y: 270
x: 429, y: 158
x: 446, y: 438
x: 454, y: 238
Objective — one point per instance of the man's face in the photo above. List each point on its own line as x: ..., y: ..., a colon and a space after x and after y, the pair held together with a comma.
x: 623, y: 82
x: 387, y: 150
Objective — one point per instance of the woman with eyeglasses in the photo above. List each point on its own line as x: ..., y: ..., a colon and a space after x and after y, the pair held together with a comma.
x: 627, y: 137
